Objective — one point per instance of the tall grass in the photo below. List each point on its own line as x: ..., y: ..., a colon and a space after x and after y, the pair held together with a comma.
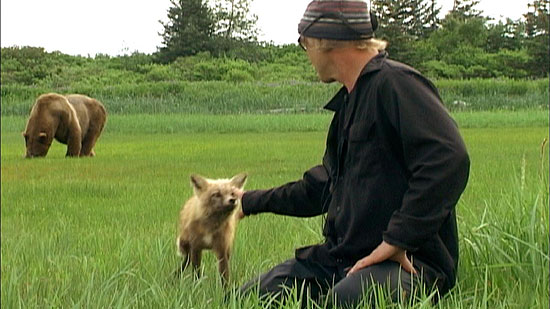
x: 220, y: 97
x: 99, y: 232
x: 262, y: 123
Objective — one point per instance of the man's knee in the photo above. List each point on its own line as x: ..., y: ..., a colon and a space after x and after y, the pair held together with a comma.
x: 366, y: 284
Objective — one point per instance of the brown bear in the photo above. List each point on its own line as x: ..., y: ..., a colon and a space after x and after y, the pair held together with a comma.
x: 75, y: 120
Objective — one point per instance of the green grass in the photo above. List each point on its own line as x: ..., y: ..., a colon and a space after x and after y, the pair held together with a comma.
x: 99, y: 232
x: 261, y: 123
x: 221, y: 97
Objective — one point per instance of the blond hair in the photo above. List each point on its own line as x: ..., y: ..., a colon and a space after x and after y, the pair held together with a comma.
x: 326, y: 44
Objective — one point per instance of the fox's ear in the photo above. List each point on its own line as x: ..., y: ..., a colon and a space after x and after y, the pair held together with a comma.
x: 199, y: 183
x: 239, y: 180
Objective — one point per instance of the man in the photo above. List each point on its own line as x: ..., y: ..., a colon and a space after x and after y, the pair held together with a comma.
x: 393, y: 170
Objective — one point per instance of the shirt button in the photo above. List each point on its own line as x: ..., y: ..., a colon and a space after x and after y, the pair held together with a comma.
x: 339, y: 260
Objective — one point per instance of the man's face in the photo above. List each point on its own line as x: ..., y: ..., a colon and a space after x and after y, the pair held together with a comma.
x: 321, y: 61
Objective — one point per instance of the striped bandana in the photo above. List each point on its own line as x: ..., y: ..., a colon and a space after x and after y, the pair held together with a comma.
x: 337, y: 20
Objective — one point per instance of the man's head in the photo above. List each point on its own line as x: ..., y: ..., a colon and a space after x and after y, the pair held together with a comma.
x: 333, y: 26
x: 343, y: 20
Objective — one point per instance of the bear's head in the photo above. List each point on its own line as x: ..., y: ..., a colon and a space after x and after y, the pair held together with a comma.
x: 37, y: 143
x: 42, y: 124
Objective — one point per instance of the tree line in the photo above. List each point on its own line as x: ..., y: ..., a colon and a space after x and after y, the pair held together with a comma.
x: 462, y: 44
x: 218, y: 40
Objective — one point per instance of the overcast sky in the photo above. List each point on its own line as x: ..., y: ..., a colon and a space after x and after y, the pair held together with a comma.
x: 115, y: 27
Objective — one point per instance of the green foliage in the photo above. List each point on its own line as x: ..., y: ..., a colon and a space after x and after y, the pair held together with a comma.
x: 284, y: 80
x: 464, y: 44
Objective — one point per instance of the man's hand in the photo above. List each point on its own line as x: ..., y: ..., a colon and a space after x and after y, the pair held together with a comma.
x: 240, y: 193
x: 384, y: 252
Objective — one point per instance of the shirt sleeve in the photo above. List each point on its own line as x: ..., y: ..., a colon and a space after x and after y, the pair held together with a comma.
x: 434, y: 154
x: 301, y: 198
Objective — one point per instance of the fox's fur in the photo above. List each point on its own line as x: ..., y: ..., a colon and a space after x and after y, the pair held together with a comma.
x: 208, y: 221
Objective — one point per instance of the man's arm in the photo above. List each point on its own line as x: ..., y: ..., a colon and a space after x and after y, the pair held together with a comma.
x: 301, y: 198
x: 435, y: 157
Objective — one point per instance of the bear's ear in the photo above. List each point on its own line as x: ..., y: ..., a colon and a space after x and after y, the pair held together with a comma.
x: 239, y: 180
x: 199, y: 183
x: 42, y: 136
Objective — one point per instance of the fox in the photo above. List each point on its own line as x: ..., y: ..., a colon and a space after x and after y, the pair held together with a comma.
x: 208, y: 220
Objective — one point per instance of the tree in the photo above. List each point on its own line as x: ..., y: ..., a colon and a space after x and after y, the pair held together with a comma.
x: 432, y: 20
x: 536, y: 28
x: 508, y: 35
x: 464, y: 9
x: 233, y: 20
x: 219, y: 27
x: 189, y: 30
x: 402, y: 22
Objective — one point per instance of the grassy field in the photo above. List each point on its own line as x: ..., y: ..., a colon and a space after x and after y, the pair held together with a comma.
x: 99, y: 232
x: 218, y: 97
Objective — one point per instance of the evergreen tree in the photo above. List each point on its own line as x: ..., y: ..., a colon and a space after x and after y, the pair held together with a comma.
x: 233, y: 20
x: 464, y: 9
x: 391, y: 16
x: 432, y: 20
x: 402, y: 22
x: 508, y: 35
x: 419, y: 18
x: 219, y: 27
x: 189, y: 30
x: 537, y: 31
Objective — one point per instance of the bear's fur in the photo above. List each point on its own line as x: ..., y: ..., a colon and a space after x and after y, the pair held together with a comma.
x: 75, y: 120
x: 208, y: 221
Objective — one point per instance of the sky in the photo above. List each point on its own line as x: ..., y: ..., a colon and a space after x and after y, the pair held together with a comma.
x: 118, y: 27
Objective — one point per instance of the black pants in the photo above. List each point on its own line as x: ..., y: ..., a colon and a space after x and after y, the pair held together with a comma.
x: 316, y: 281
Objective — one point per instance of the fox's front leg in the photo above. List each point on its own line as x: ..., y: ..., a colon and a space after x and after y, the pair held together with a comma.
x: 196, y: 255
x: 223, y: 254
x: 183, y: 248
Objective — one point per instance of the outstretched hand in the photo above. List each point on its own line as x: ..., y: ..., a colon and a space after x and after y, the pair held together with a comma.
x: 240, y: 213
x: 384, y: 252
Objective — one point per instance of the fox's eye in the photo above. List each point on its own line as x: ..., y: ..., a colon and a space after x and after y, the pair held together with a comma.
x: 216, y: 194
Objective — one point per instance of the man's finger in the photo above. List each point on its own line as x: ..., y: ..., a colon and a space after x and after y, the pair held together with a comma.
x: 362, y: 263
x: 406, y: 264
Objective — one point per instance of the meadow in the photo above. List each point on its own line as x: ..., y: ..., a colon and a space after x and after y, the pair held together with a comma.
x: 99, y: 232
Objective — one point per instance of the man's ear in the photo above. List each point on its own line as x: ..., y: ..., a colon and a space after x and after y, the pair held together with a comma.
x: 199, y: 183
x: 239, y: 180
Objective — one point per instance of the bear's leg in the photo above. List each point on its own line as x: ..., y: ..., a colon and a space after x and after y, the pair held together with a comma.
x: 88, y: 145
x: 74, y: 145
x: 74, y: 139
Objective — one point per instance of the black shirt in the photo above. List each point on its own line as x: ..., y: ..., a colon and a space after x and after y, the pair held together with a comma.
x: 394, y: 168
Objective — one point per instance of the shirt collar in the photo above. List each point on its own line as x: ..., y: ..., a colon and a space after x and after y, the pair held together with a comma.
x: 373, y: 65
